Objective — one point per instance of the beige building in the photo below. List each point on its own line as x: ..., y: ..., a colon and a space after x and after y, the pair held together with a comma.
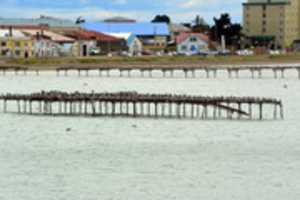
x: 273, y: 21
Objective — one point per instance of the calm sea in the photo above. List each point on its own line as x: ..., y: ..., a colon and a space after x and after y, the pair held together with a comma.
x: 68, y: 158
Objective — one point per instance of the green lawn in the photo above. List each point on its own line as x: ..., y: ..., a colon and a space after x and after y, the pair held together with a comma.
x: 154, y: 60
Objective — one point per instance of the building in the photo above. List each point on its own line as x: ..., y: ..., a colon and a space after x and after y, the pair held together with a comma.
x: 134, y: 45
x: 119, y: 20
x: 93, y: 42
x: 51, y: 22
x: 192, y: 43
x: 272, y: 22
x: 49, y: 44
x: 176, y: 29
x: 15, y: 44
x: 154, y: 36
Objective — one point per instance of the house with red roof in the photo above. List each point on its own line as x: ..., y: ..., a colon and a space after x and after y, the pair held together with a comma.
x: 93, y: 42
x: 192, y: 43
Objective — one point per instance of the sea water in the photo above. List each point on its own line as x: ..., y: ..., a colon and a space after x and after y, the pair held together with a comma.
x: 83, y: 158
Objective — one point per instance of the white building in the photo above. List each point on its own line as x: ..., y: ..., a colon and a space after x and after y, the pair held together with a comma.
x: 135, y: 46
x: 192, y: 43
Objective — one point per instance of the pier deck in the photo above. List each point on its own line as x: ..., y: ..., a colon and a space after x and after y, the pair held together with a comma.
x: 147, y: 71
x: 141, y: 105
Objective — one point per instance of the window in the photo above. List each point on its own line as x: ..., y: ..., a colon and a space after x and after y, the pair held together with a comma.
x: 17, y: 44
x: 17, y: 52
x: 183, y: 48
x: 193, y: 39
x: 3, y: 52
x: 3, y: 44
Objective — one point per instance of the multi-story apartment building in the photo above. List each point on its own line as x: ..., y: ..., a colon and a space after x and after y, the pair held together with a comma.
x: 272, y: 21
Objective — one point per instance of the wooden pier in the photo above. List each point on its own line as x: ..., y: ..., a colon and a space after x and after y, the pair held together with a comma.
x: 188, y: 71
x: 133, y: 104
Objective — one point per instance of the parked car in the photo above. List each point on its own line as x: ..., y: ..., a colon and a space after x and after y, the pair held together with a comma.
x: 244, y: 52
x: 94, y: 52
x: 224, y: 52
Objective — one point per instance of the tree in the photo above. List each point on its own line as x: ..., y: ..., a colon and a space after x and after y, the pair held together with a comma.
x: 224, y: 27
x: 200, y: 26
x: 80, y: 20
x: 161, y: 19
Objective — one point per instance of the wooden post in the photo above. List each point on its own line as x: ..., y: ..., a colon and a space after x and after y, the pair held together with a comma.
x: 25, y: 106
x: 219, y: 112
x: 142, y: 108
x: 207, y: 73
x: 259, y: 73
x: 184, y: 109
x: 59, y: 107
x: 185, y: 71
x: 4, y: 105
x: 178, y: 105
x: 281, y: 111
x: 30, y: 107
x: 282, y: 73
x: 134, y: 109
x: 261, y: 111
x: 229, y: 71
x: 19, y: 106
x: 215, y: 73
x: 85, y: 107
x: 250, y: 110
x: 193, y: 110
x: 237, y: 73
x: 193, y: 73
x: 275, y: 73
x: 170, y: 112
x: 164, y: 73
x: 275, y: 111
x: 240, y: 109
x: 65, y: 107
x: 149, y: 108
x: 204, y: 112
x: 113, y: 108
x: 94, y: 110
x: 214, y: 111
x: 252, y: 73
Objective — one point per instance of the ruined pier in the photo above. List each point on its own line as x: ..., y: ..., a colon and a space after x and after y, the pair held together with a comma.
x: 133, y: 104
x: 164, y: 71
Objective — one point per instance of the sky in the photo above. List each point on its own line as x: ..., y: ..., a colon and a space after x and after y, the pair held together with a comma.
x: 141, y: 10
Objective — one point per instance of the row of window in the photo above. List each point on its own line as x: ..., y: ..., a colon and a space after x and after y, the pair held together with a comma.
x: 192, y: 47
x: 16, y: 44
x: 6, y: 52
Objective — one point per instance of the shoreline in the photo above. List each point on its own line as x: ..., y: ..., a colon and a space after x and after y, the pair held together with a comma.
x: 147, y: 62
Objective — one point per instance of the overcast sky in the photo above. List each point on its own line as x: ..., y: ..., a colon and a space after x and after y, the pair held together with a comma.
x: 142, y: 10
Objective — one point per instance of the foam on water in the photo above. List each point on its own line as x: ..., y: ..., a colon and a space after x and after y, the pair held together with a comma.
x: 123, y: 158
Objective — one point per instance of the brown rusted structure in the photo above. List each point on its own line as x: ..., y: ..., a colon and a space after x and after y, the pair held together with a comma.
x: 142, y: 105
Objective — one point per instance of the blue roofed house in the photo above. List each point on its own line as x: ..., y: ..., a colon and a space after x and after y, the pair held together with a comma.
x: 154, y: 36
